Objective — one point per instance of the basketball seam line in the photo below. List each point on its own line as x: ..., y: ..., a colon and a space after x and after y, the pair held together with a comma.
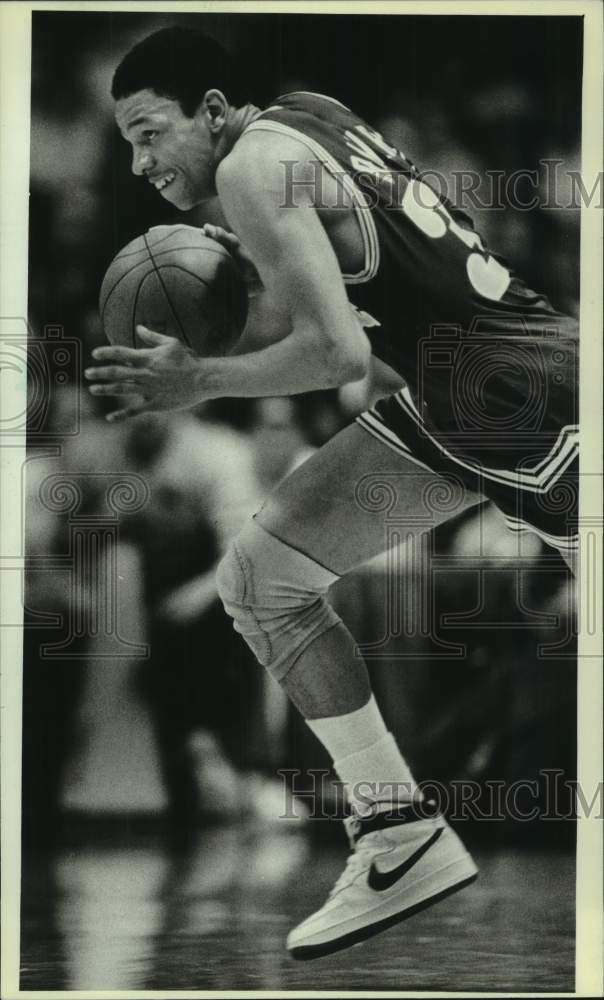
x: 141, y: 262
x: 122, y: 253
x: 124, y: 256
x: 165, y: 291
x: 175, y: 267
x: 161, y: 240
x: 185, y: 270
x: 134, y: 305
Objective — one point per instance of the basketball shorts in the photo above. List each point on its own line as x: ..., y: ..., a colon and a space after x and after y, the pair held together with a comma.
x: 541, y: 497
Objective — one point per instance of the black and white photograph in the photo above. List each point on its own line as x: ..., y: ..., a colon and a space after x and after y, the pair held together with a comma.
x: 301, y: 483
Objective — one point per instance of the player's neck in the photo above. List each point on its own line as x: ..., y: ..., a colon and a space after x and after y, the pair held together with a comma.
x: 238, y: 121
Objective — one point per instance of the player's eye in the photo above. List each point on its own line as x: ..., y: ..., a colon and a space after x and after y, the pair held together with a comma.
x: 149, y: 134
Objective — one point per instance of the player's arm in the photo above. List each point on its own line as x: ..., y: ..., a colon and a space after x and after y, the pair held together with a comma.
x: 326, y: 346
x: 267, y: 320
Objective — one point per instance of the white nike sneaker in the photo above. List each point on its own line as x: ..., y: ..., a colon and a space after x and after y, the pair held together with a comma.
x: 402, y: 861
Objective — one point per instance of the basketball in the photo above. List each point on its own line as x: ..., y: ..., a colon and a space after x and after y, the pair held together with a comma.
x: 177, y: 281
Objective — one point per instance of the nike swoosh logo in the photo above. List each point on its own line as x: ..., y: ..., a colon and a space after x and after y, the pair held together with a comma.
x: 379, y: 881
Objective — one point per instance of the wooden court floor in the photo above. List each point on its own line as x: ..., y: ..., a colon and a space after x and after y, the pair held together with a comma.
x: 214, y: 916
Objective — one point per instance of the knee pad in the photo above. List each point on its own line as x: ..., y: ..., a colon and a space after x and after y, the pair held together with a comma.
x: 276, y: 597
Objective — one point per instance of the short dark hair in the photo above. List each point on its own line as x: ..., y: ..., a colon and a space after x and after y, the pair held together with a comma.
x: 179, y: 63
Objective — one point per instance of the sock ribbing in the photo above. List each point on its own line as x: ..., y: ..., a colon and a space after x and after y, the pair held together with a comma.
x: 365, y: 756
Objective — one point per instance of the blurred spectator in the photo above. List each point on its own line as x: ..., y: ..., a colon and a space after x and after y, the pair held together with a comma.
x: 51, y: 688
x: 199, y: 675
x: 206, y: 696
x: 55, y: 591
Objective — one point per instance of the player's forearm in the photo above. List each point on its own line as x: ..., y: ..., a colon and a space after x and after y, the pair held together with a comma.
x: 304, y: 361
x: 267, y: 323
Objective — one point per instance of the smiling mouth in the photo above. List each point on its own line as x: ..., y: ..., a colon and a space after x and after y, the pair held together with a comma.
x: 164, y: 182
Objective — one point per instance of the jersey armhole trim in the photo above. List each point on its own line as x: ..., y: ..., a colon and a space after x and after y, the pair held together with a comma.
x: 313, y: 93
x: 360, y: 204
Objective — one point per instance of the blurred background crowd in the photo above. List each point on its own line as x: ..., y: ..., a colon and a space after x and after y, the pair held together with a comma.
x: 165, y: 715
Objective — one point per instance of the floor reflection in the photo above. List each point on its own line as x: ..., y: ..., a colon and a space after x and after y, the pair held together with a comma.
x: 214, y: 915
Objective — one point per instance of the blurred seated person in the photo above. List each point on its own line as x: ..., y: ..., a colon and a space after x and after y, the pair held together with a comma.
x: 53, y: 683
x: 206, y: 699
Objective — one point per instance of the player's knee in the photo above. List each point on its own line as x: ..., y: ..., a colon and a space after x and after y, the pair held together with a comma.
x: 275, y: 596
x: 234, y: 581
x: 231, y: 580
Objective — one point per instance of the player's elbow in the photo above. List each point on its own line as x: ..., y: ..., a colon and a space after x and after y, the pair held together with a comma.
x: 349, y: 361
x: 352, y: 369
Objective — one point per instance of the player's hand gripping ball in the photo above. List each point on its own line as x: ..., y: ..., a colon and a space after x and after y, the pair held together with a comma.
x: 168, y: 299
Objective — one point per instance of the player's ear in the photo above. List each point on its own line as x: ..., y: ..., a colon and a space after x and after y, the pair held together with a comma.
x: 215, y: 107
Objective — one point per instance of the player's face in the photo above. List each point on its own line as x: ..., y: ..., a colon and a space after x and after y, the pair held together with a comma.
x: 175, y: 153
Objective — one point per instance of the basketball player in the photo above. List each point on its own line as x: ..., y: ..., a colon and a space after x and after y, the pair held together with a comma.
x: 482, y: 402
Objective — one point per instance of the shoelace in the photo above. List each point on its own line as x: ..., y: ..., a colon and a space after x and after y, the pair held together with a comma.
x: 360, y: 858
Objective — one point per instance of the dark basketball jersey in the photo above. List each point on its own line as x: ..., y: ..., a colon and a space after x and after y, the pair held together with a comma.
x: 490, y: 365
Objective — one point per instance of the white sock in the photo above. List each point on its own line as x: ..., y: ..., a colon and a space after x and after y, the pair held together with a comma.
x: 365, y: 757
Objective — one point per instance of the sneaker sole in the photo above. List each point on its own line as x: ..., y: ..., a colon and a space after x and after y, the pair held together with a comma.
x: 304, y: 952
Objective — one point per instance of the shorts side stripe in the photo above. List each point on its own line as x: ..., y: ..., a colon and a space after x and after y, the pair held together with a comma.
x: 566, y: 542
x: 537, y: 480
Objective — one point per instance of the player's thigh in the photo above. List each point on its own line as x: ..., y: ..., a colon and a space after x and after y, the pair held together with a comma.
x: 337, y: 506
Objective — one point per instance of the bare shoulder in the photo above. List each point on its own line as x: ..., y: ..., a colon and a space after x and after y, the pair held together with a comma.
x: 261, y: 156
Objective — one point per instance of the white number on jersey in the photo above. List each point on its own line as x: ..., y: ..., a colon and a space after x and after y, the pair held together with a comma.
x: 422, y: 206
